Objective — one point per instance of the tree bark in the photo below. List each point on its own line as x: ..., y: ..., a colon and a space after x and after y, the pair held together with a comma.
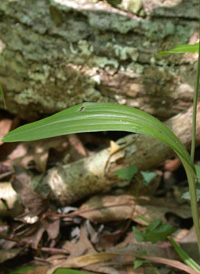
x: 58, y: 53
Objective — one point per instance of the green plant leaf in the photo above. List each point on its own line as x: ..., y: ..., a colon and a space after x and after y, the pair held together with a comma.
x: 182, y: 49
x: 197, y: 168
x: 143, y: 218
x: 127, y: 173
x: 148, y: 176
x: 186, y: 195
x: 184, y: 256
x: 90, y: 117
x: 138, y: 262
x: 3, y: 97
x: 156, y: 231
x: 22, y: 270
x: 58, y: 271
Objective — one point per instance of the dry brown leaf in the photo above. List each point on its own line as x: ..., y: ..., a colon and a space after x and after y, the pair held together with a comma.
x: 37, y: 217
x: 107, y: 208
x: 83, y: 246
x: 78, y: 146
x: 29, y: 198
x: 172, y: 263
x: 38, y: 270
x: 37, y: 151
x: 5, y: 126
x: 9, y: 254
x: 83, y: 261
x: 86, y: 260
x: 172, y: 165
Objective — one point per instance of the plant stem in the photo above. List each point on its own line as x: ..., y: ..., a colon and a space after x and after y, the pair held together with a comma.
x: 136, y: 203
x: 192, y: 184
x: 3, y: 97
x: 193, y: 200
x: 195, y: 107
x: 184, y: 256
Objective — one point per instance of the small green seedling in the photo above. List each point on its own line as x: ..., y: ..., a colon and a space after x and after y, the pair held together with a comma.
x: 154, y: 232
x: 139, y: 261
x: 127, y: 173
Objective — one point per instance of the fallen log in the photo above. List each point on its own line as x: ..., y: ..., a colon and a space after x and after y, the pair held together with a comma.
x: 69, y: 183
x: 55, y: 54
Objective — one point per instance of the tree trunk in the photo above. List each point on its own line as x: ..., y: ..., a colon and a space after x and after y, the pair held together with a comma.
x: 58, y: 53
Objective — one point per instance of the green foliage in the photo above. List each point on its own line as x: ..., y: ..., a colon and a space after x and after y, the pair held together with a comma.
x: 148, y: 176
x: 127, y: 173
x: 114, y: 2
x: 154, y: 232
x: 138, y: 262
x: 182, y: 49
x: 197, y: 168
x: 22, y: 270
x: 3, y: 97
x: 58, y: 271
x: 88, y: 117
x: 184, y: 256
x: 187, y: 196
x: 143, y: 218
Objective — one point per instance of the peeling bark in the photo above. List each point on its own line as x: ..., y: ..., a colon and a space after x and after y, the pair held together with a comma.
x: 58, y: 53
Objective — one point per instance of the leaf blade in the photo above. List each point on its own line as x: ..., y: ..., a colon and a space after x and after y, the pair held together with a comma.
x: 3, y: 97
x: 182, y: 49
x: 91, y: 117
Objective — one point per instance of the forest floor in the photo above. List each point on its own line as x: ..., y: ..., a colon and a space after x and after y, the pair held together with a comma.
x: 95, y: 234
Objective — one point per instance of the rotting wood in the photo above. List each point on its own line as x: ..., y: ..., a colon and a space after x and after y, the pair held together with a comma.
x: 55, y: 54
x: 69, y: 183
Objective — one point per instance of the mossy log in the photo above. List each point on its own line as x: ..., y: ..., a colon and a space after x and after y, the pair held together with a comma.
x: 58, y: 53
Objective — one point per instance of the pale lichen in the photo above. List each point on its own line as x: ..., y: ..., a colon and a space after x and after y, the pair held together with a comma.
x: 124, y: 53
x: 2, y: 46
x: 40, y: 73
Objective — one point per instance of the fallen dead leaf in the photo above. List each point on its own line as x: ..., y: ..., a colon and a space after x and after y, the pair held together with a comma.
x: 37, y: 151
x: 38, y: 216
x: 83, y: 246
x: 38, y: 270
x: 5, y: 126
x: 83, y: 261
x: 9, y: 254
x: 108, y: 208
x: 172, y: 165
x: 77, y: 145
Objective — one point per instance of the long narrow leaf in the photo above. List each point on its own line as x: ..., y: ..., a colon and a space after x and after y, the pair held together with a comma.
x: 3, y: 97
x: 88, y: 117
x: 182, y: 49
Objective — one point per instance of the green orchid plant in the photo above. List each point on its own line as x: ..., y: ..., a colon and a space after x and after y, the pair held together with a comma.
x: 91, y: 117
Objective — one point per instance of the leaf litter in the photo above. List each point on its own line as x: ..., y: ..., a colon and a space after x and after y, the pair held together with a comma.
x: 91, y: 235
